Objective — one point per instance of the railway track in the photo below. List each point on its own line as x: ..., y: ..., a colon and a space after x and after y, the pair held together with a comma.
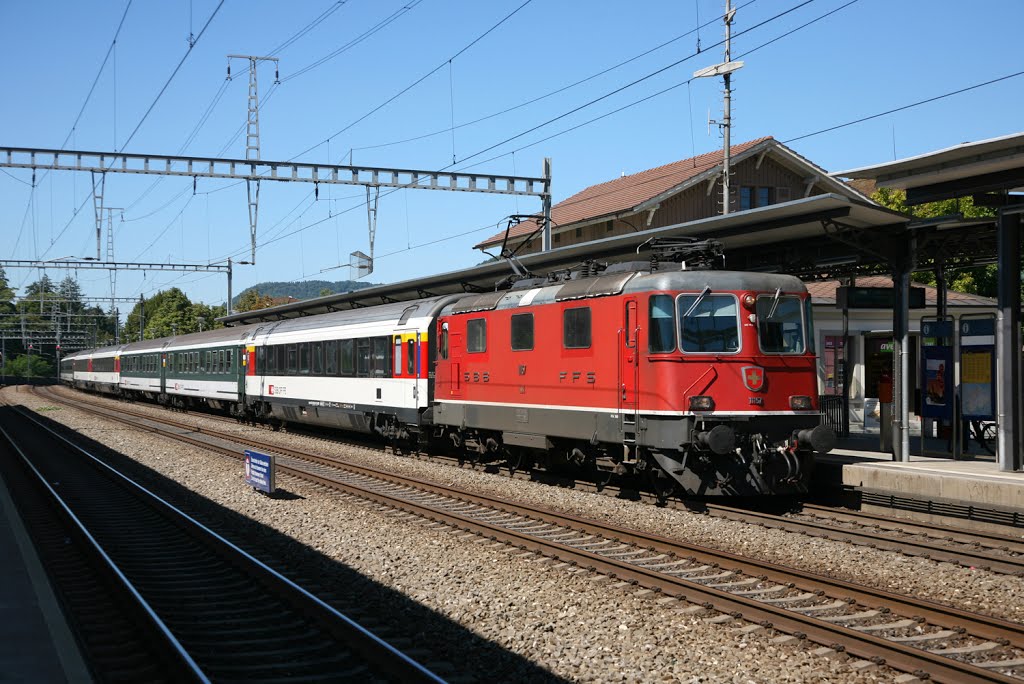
x: 916, y: 636
x: 987, y: 551
x: 219, y: 614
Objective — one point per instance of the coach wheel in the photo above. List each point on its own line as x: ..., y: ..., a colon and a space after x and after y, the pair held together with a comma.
x: 518, y: 459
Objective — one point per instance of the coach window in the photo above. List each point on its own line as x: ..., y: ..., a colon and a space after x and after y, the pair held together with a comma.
x: 261, y: 359
x: 228, y: 355
x: 281, y: 355
x: 347, y: 351
x: 661, y: 325
x: 381, y: 357
x: 331, y: 357
x: 576, y: 328
x: 476, y: 335
x: 363, y: 358
x: 293, y: 358
x: 708, y: 323
x: 318, y: 358
x: 398, y: 355
x: 522, y: 332
x: 410, y: 357
x: 304, y: 358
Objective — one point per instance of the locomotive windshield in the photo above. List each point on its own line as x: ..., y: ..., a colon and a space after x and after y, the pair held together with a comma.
x: 780, y: 327
x: 708, y: 322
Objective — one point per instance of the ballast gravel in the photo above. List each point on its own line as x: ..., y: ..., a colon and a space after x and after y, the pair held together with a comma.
x: 573, y: 624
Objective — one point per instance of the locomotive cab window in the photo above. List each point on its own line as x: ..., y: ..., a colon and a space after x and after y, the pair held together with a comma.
x: 442, y: 342
x: 780, y: 328
x: 522, y: 332
x: 476, y: 335
x: 661, y: 324
x: 708, y: 323
x: 576, y: 328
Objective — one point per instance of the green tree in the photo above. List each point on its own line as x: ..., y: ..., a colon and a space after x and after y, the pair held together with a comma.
x: 979, y: 280
x: 6, y: 294
x: 326, y: 291
x: 170, y: 312
x: 29, y: 366
x: 251, y: 300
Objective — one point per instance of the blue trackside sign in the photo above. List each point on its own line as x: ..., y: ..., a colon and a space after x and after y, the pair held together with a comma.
x: 259, y: 471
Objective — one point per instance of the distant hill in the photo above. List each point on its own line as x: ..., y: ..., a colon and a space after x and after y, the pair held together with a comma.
x: 306, y: 289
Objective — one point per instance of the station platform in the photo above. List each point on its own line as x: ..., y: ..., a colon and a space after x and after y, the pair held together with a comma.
x: 36, y: 643
x: 932, y: 486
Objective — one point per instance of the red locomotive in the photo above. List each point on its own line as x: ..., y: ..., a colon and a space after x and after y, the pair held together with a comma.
x: 703, y: 380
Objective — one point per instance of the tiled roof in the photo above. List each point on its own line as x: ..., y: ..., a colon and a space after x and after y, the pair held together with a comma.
x: 626, y: 193
x: 824, y: 292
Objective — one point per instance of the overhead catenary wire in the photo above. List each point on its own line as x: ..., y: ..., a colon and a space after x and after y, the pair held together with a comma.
x: 551, y: 93
x: 414, y: 83
x: 144, y: 116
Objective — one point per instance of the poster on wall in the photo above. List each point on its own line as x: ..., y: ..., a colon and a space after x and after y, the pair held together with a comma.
x: 937, y: 382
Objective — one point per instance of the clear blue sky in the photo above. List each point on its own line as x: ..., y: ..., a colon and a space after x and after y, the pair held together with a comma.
x: 869, y: 57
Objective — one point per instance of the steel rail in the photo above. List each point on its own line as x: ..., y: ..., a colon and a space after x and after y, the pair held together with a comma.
x: 385, y: 657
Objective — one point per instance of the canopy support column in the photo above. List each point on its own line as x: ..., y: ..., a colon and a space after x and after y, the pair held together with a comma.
x: 901, y: 355
x: 1008, y: 340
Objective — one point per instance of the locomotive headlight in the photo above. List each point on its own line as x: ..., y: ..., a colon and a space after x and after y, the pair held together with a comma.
x: 702, y: 403
x: 748, y: 301
x: 800, y: 403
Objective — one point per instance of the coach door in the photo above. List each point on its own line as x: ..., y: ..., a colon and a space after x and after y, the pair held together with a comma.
x: 629, y: 368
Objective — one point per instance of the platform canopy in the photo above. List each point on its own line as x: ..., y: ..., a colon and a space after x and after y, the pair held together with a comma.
x: 991, y: 173
x: 968, y: 169
x: 821, y: 236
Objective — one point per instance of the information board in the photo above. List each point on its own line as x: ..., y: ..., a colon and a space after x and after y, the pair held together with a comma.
x: 259, y: 471
x: 978, y: 367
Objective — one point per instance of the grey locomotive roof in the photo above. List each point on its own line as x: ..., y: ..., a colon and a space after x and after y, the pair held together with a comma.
x: 616, y: 283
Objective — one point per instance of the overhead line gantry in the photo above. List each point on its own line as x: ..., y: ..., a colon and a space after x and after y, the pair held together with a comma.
x: 285, y: 171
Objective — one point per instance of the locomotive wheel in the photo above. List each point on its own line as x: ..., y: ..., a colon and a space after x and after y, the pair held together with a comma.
x: 662, y: 485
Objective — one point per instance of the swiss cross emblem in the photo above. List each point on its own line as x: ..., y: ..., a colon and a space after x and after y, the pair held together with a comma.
x: 753, y: 378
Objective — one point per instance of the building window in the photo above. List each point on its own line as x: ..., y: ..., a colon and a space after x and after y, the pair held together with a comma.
x: 522, y: 332
x: 476, y: 335
x: 579, y: 232
x: 576, y: 328
x: 609, y: 227
x: 752, y: 197
x: 557, y: 237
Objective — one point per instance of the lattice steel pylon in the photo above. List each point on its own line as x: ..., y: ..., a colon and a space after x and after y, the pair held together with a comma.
x: 252, y: 139
x: 110, y: 258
